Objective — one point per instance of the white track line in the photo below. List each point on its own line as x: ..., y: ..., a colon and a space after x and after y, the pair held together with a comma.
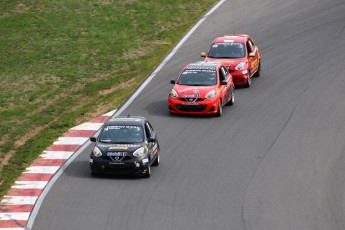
x: 29, y: 184
x: 42, y: 169
x: 19, y: 200
x: 71, y: 141
x: 12, y: 229
x: 88, y: 126
x: 14, y: 216
x: 56, y: 155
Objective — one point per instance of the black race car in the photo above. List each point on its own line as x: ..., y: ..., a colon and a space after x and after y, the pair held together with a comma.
x: 125, y: 145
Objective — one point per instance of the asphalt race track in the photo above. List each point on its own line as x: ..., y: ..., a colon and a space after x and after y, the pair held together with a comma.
x: 273, y: 161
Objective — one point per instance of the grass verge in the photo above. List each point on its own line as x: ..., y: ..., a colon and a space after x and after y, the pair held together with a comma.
x: 67, y: 61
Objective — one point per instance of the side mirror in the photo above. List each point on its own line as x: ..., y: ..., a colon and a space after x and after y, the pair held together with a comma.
x: 93, y: 139
x: 251, y: 54
x: 203, y: 54
x: 224, y: 82
x: 172, y: 82
x: 151, y: 139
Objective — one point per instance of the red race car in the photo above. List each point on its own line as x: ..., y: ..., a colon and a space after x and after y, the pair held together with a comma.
x: 240, y: 55
x: 202, y: 88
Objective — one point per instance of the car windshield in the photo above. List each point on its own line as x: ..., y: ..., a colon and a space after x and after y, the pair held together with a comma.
x: 226, y: 50
x: 122, y: 134
x: 198, y: 77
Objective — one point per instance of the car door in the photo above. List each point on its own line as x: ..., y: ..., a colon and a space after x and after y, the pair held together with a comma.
x: 225, y: 89
x: 253, y: 56
x: 152, y: 146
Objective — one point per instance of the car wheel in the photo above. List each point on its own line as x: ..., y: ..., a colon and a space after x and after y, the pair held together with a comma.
x: 257, y: 74
x: 249, y: 81
x: 232, y: 101
x: 156, y: 162
x: 220, y: 108
x: 147, y: 172
x: 94, y: 173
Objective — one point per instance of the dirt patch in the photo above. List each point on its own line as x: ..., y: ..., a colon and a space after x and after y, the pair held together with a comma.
x: 122, y: 85
x: 20, y: 142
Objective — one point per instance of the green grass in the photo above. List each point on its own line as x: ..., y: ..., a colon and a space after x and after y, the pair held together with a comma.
x: 61, y: 63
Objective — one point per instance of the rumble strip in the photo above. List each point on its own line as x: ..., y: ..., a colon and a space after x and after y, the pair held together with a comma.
x: 19, y: 201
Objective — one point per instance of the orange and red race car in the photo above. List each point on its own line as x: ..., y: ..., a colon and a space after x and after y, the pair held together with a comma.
x: 202, y: 88
x: 240, y: 55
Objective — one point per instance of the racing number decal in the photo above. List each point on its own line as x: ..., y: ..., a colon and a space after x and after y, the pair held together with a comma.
x: 254, y: 64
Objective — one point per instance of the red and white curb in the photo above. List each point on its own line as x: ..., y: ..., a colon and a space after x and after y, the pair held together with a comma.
x: 19, y: 201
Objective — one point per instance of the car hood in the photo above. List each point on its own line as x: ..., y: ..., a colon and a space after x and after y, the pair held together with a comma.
x: 193, y: 91
x: 227, y: 61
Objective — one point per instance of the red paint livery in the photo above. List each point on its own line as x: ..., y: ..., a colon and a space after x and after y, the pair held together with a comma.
x: 202, y: 88
x: 239, y: 53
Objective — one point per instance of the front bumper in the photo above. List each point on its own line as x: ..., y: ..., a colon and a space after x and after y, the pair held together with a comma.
x: 99, y: 165
x: 179, y: 106
x: 240, y: 77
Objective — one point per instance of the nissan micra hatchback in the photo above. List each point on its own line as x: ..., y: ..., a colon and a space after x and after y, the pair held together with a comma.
x: 202, y: 88
x: 125, y: 145
x: 240, y: 55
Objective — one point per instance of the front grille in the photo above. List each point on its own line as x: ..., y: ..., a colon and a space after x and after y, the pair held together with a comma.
x: 195, y: 99
x: 113, y: 158
x: 191, y: 108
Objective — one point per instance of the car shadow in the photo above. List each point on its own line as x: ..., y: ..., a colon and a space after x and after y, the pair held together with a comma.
x: 80, y: 169
x: 160, y: 108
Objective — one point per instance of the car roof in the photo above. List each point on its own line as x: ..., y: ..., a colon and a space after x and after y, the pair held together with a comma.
x: 241, y: 38
x: 126, y: 120
x: 202, y: 65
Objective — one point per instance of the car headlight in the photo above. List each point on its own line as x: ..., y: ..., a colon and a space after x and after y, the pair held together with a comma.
x: 240, y: 66
x: 96, y: 152
x: 211, y: 94
x: 139, y: 152
x: 173, y: 94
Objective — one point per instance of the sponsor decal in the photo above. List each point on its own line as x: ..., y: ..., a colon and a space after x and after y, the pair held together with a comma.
x: 199, y: 70
x: 110, y: 127
x: 145, y: 160
x: 228, y: 43
x: 116, y: 154
x: 116, y: 163
x: 190, y: 95
x: 118, y: 147
x: 125, y: 119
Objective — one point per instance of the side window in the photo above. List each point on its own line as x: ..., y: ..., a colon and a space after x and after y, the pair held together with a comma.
x: 250, y: 46
x: 223, y: 73
x: 148, y: 129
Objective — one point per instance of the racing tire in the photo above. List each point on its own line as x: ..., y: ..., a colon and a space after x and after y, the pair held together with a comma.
x: 249, y: 81
x: 257, y: 74
x: 220, y: 109
x: 147, y: 172
x: 94, y: 174
x: 156, y: 162
x: 232, y: 101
